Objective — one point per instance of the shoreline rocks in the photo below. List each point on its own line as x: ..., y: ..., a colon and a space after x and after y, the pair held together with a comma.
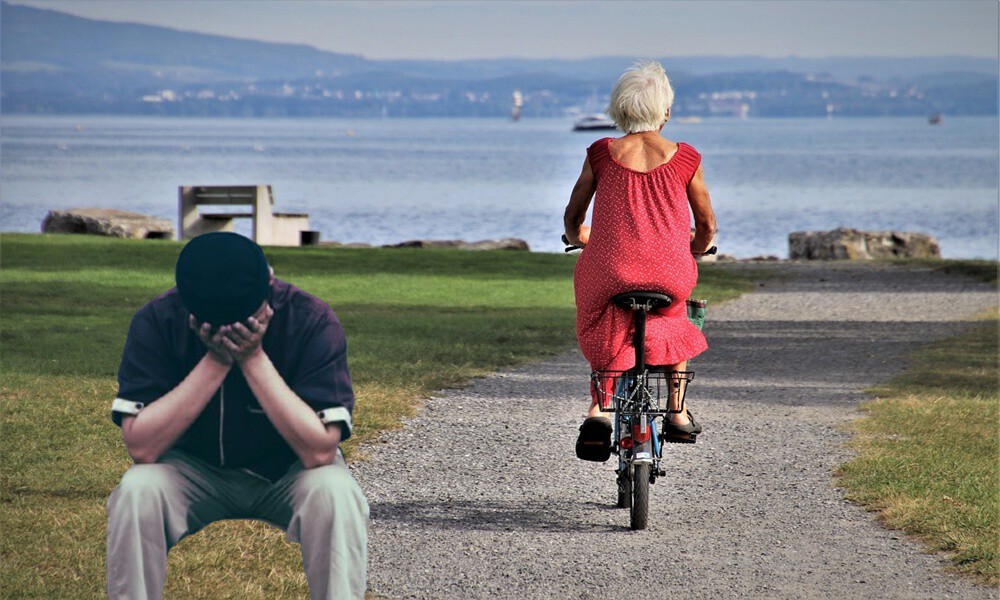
x: 516, y: 244
x: 853, y: 244
x: 109, y: 223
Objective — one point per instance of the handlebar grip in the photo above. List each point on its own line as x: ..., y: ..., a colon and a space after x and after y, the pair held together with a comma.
x: 569, y: 247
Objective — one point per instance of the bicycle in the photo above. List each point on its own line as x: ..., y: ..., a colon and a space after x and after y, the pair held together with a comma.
x: 637, y: 397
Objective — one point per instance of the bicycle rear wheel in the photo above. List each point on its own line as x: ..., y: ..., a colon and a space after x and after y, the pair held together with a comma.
x: 640, y: 496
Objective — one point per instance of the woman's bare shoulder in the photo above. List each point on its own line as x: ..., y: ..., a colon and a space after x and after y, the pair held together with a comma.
x: 643, y: 153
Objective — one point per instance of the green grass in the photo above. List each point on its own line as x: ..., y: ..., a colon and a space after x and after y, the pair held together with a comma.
x: 929, y: 451
x: 416, y: 321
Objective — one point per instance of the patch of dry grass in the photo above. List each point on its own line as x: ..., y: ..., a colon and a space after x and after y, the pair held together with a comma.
x: 929, y: 451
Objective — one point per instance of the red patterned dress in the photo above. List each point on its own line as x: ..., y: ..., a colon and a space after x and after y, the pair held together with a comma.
x: 640, y: 240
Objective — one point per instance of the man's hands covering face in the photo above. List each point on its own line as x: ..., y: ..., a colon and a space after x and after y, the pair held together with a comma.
x: 243, y: 340
x: 235, y: 342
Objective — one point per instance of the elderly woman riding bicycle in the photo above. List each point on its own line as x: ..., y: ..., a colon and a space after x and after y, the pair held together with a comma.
x: 645, y: 191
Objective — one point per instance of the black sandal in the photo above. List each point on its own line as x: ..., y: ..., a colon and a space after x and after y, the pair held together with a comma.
x: 594, y: 443
x: 681, y: 434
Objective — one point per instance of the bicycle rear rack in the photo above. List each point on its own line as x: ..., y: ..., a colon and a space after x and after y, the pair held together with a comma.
x: 617, y: 391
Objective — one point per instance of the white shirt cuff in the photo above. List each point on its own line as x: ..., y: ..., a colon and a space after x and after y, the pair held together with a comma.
x: 337, y: 415
x: 126, y: 407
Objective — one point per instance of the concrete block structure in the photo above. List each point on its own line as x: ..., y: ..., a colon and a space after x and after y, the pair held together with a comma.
x: 268, y: 227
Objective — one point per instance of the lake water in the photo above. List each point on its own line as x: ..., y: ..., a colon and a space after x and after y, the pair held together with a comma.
x: 390, y: 180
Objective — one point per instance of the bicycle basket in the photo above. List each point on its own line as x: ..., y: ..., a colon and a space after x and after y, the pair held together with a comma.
x: 619, y: 391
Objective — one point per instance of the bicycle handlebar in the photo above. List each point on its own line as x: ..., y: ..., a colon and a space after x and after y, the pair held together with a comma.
x: 572, y: 247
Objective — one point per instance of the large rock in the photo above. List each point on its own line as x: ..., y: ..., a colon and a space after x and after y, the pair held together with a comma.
x: 852, y: 244
x: 108, y: 222
x: 501, y: 244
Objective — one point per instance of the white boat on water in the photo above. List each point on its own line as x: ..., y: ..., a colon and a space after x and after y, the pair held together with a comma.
x: 595, y: 122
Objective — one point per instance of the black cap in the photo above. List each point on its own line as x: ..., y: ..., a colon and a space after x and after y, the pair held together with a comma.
x: 222, y: 277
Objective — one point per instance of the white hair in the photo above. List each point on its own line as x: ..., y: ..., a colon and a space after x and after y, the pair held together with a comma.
x: 641, y: 98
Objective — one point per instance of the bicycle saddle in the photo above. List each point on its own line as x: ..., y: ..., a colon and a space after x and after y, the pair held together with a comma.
x: 634, y: 300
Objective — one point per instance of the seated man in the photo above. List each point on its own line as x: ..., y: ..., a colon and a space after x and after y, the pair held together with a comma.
x: 233, y: 398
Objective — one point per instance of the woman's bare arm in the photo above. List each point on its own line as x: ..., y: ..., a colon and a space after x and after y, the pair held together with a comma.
x: 704, y: 216
x: 576, y: 211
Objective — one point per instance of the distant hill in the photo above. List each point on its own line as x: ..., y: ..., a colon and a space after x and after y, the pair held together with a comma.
x: 37, y: 40
x: 57, y: 63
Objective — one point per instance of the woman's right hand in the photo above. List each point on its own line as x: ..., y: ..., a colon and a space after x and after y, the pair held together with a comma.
x: 584, y: 237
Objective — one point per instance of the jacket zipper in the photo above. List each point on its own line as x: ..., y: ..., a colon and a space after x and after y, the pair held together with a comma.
x: 222, y: 417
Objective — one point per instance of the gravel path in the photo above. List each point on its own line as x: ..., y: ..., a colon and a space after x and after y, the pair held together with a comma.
x: 481, y: 496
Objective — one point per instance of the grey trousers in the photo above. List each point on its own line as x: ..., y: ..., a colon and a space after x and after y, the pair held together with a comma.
x: 156, y: 505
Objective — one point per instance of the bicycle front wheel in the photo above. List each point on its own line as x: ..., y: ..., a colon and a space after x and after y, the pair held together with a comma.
x: 625, y: 488
x: 640, y: 496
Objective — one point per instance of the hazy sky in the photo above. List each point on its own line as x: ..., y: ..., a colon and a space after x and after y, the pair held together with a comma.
x: 446, y: 29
